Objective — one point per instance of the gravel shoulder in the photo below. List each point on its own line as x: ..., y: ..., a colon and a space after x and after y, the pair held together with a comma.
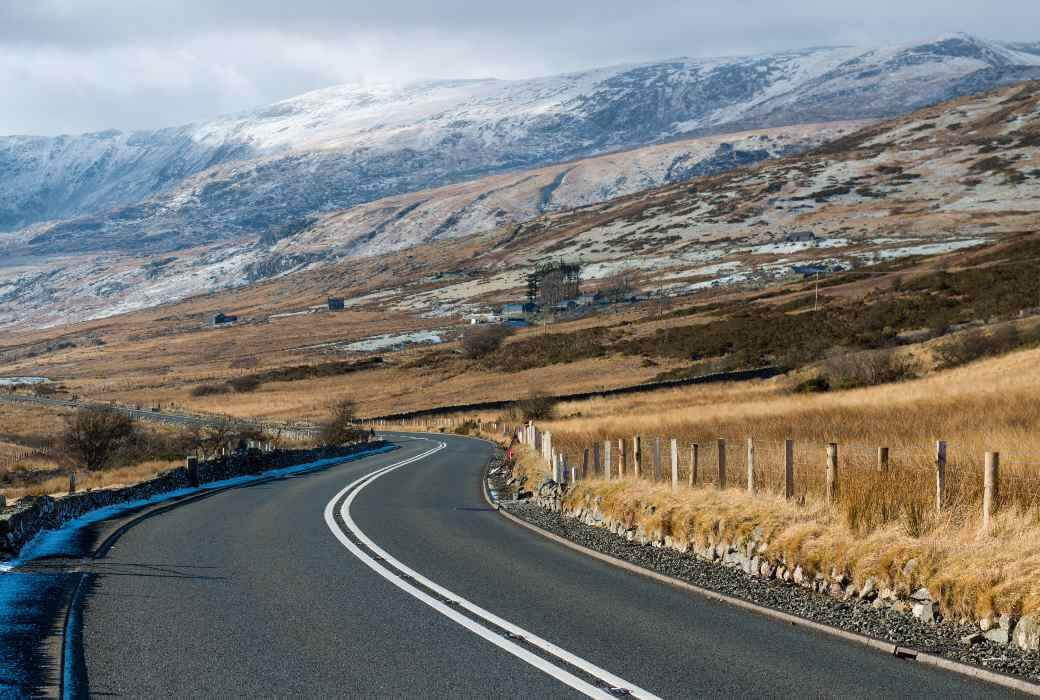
x: 943, y: 639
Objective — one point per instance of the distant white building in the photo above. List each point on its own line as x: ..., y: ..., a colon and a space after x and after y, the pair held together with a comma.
x: 477, y: 319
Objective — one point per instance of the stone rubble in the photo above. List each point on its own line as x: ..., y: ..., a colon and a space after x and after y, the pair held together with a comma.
x: 748, y: 570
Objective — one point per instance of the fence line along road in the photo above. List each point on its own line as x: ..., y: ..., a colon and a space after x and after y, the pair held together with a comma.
x: 775, y: 470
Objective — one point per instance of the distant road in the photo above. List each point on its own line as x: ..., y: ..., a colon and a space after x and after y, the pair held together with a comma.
x: 390, y: 577
x: 141, y: 414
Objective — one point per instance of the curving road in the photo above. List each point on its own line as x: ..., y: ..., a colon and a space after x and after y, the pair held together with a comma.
x: 272, y: 590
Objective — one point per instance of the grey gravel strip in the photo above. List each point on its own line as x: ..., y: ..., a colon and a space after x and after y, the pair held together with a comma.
x: 942, y: 640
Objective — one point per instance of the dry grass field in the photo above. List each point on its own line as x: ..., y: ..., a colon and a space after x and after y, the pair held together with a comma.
x: 880, y: 521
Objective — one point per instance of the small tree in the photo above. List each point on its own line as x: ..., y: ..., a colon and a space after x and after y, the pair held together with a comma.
x: 341, y: 426
x: 216, y: 436
x: 537, y: 406
x: 478, y: 341
x: 93, y: 436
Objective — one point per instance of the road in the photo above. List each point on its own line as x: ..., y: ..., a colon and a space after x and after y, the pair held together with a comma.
x: 272, y: 590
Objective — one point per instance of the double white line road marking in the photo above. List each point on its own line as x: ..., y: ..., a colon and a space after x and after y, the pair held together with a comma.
x: 394, y: 571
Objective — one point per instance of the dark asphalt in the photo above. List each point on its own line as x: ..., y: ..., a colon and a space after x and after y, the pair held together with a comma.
x: 248, y: 592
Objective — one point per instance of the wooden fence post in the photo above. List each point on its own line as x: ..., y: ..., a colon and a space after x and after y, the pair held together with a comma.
x: 637, y: 455
x: 832, y: 472
x: 596, y: 470
x: 621, y: 457
x: 750, y: 465
x: 694, y: 462
x: 657, y: 459
x: 72, y: 482
x: 991, y: 488
x: 547, y: 442
x: 606, y: 460
x: 940, y: 474
x: 720, y: 483
x: 584, y: 463
x: 788, y: 468
x: 675, y: 464
x: 882, y: 459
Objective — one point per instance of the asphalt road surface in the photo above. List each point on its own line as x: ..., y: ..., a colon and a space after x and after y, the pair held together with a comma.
x: 295, y: 587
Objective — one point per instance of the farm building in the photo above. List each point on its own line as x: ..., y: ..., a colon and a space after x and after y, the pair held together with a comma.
x: 517, y: 308
x: 336, y: 304
x: 222, y: 319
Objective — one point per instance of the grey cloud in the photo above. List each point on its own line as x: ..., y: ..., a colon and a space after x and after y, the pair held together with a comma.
x: 77, y: 65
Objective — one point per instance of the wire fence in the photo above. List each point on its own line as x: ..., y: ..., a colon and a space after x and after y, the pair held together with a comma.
x: 873, y: 483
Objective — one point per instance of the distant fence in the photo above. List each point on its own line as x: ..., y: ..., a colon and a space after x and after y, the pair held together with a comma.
x: 926, y: 475
x: 742, y: 375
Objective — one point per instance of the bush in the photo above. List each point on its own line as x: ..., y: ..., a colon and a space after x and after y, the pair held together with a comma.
x: 341, y: 428
x: 468, y: 427
x: 245, y: 384
x: 975, y: 344
x: 479, y: 341
x: 814, y: 385
x: 210, y: 389
x: 537, y: 406
x: 866, y: 369
x: 247, y: 362
x: 93, y: 436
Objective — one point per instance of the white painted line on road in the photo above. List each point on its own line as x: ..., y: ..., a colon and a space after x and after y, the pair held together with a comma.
x: 498, y: 640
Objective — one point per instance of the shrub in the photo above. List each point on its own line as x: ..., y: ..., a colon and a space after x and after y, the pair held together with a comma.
x: 245, y: 384
x: 93, y: 436
x: 341, y: 426
x: 210, y: 389
x: 975, y: 344
x: 479, y: 341
x: 537, y: 406
x: 44, y: 389
x: 542, y: 350
x: 247, y: 362
x: 468, y: 427
x: 866, y: 369
x: 813, y: 385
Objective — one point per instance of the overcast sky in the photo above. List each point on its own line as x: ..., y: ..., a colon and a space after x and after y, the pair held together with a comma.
x: 68, y: 66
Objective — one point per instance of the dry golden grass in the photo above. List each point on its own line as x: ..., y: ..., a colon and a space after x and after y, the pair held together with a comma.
x: 974, y: 574
x: 109, y: 478
x: 881, y: 521
x: 988, y: 406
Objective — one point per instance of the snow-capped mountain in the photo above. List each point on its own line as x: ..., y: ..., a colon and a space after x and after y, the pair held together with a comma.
x: 354, y: 170
x: 342, y: 146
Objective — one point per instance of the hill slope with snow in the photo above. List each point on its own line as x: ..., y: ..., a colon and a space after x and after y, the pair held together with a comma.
x: 339, y: 147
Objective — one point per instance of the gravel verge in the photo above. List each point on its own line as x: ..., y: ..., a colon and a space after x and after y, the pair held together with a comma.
x: 942, y: 639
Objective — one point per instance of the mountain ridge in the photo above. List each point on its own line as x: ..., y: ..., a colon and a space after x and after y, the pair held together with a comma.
x: 371, y: 142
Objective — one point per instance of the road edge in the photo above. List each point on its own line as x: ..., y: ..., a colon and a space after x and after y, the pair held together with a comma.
x: 889, y: 648
x: 72, y: 679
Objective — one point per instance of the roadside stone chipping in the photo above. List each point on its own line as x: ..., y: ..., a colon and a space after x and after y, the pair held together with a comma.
x: 745, y: 570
